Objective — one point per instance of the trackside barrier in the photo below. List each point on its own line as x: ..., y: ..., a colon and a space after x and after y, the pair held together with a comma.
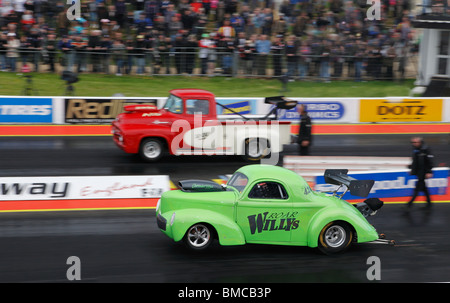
x: 102, y: 110
x: 390, y: 184
x: 81, y: 192
x: 310, y: 166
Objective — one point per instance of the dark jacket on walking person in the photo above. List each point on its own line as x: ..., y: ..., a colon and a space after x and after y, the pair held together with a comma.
x: 304, y: 134
x: 421, y: 166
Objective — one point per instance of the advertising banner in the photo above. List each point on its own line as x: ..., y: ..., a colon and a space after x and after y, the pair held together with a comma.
x: 391, y: 183
x: 401, y: 110
x: 321, y: 110
x: 327, y: 110
x: 25, y: 110
x: 101, y: 110
x: 89, y: 187
x: 243, y: 106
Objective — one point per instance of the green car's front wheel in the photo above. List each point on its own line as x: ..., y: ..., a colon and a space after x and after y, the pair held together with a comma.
x: 199, y: 236
x: 335, y: 237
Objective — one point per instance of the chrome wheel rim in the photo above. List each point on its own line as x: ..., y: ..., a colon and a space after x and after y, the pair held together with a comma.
x: 253, y: 149
x: 256, y: 149
x: 198, y: 235
x: 152, y: 150
x: 335, y: 236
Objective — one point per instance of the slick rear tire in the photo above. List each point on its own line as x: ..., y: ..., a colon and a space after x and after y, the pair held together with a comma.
x: 335, y: 238
x: 199, y: 236
x: 151, y: 149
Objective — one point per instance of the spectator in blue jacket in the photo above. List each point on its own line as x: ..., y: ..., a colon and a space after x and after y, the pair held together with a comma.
x: 65, y: 46
x: 143, y: 24
x: 263, y: 46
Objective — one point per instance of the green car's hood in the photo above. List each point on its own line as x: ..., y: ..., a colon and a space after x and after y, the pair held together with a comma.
x: 177, y: 199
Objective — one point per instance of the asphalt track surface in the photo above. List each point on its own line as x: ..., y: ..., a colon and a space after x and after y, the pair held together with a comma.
x: 126, y: 246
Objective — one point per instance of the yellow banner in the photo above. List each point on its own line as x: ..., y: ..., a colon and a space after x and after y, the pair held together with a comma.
x: 404, y: 110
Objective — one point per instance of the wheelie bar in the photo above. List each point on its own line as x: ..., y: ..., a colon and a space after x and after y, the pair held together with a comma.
x: 382, y: 240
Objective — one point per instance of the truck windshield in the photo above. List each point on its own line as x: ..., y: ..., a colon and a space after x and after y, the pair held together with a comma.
x: 238, y: 181
x: 174, y: 105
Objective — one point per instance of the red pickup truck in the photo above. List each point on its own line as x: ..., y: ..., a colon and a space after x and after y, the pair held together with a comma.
x: 188, y: 125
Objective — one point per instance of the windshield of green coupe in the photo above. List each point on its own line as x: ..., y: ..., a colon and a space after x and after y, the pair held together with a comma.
x: 238, y: 181
x: 174, y: 104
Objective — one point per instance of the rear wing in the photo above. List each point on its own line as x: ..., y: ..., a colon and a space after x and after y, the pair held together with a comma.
x: 279, y: 102
x: 360, y: 188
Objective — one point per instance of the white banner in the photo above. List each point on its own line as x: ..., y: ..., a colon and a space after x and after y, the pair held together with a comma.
x: 89, y: 187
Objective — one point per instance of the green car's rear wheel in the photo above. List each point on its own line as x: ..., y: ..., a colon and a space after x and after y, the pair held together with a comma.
x: 335, y: 237
x: 199, y: 236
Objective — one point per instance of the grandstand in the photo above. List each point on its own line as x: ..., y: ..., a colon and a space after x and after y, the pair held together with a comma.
x: 323, y: 40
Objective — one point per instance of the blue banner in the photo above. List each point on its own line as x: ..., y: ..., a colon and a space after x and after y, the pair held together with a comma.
x: 316, y: 110
x: 26, y: 110
x: 391, y: 184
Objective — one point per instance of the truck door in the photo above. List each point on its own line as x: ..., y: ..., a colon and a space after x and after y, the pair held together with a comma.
x: 204, y: 134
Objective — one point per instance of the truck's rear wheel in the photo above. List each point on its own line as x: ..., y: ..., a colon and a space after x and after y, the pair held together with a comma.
x: 256, y: 149
x: 151, y: 149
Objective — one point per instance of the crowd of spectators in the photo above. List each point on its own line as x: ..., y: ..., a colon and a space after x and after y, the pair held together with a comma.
x: 298, y: 38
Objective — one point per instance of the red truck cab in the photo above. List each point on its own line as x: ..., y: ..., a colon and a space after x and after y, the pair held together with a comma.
x: 147, y: 130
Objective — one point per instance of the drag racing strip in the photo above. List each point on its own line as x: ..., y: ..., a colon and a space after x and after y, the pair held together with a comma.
x: 36, y: 159
x: 318, y: 129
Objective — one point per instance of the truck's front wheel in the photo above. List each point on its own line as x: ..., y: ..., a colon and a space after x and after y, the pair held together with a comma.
x: 151, y: 149
x: 256, y: 149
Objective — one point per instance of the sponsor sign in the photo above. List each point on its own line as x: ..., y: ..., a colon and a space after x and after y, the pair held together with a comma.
x: 391, y: 183
x: 273, y: 221
x: 403, y: 110
x: 325, y: 111
x: 90, y: 187
x: 241, y: 106
x: 26, y: 110
x: 86, y: 110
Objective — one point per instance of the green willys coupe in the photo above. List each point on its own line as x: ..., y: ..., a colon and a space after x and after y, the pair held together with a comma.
x: 267, y: 204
